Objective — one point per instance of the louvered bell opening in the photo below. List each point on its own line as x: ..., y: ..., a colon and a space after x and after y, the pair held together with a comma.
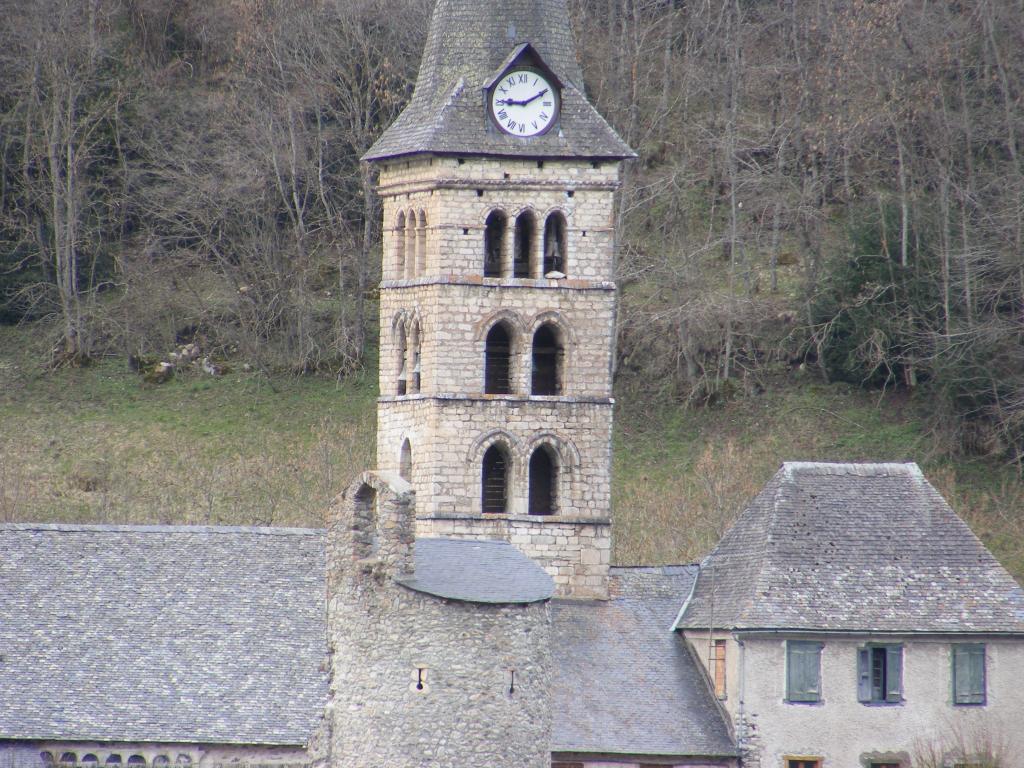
x: 547, y: 355
x: 498, y: 362
x: 494, y: 481
x: 543, y: 482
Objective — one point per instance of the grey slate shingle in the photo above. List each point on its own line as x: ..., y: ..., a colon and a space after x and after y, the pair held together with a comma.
x: 477, y: 572
x: 853, y: 547
x: 467, y: 41
x: 172, y: 634
x: 624, y: 682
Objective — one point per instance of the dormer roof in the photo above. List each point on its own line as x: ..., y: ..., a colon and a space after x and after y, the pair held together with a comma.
x: 853, y: 548
x: 467, y: 43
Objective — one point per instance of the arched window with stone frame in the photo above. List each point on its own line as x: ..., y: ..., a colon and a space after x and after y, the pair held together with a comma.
x: 495, y: 479
x: 421, y: 244
x: 524, y: 242
x: 399, y: 246
x: 556, y: 244
x: 410, y: 244
x: 415, y: 373
x: 401, y: 362
x: 494, y: 243
x: 498, y: 360
x: 405, y: 461
x: 547, y: 357
x: 543, y: 492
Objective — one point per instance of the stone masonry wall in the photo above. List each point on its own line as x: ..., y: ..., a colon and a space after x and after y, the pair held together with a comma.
x: 455, y: 198
x: 449, y: 437
x: 418, y: 681
x: 576, y: 553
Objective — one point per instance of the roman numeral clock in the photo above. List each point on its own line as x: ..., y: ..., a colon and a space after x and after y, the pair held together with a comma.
x: 525, y: 97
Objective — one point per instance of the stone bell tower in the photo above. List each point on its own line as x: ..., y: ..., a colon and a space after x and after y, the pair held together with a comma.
x: 497, y: 302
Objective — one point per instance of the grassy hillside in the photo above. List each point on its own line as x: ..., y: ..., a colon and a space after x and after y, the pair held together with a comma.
x: 98, y: 445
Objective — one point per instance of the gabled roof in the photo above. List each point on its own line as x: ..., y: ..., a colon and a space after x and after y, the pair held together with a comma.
x: 853, y: 547
x: 166, y: 634
x: 624, y: 683
x: 477, y: 572
x: 467, y: 42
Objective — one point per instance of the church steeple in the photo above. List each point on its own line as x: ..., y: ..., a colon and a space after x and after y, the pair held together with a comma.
x: 468, y: 42
x: 497, y: 301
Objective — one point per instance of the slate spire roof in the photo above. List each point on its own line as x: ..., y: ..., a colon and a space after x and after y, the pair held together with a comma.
x: 853, y: 547
x: 467, y: 42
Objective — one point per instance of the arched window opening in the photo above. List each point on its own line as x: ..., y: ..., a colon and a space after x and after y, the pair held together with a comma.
x: 494, y: 243
x: 494, y: 480
x: 69, y: 758
x: 113, y: 760
x: 400, y: 246
x: 543, y: 482
x: 547, y: 362
x: 415, y: 378
x: 421, y: 244
x: 366, y: 536
x: 405, y: 461
x: 525, y: 237
x: 183, y: 759
x: 46, y: 757
x: 136, y: 760
x: 161, y: 760
x: 555, y: 243
x: 410, y: 245
x: 90, y: 759
x: 401, y: 353
x: 498, y: 361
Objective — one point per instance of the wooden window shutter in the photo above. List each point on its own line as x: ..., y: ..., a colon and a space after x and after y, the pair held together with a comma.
x: 894, y: 673
x: 863, y: 674
x: 803, y: 674
x: 968, y: 674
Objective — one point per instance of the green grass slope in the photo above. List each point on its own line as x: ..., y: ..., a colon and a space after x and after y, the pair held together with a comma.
x: 98, y: 445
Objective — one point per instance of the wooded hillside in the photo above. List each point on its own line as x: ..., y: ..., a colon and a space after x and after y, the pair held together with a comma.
x: 833, y: 186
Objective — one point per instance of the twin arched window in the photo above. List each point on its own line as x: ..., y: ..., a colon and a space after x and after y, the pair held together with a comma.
x: 525, y: 260
x: 410, y: 244
x: 546, y: 360
x: 496, y: 476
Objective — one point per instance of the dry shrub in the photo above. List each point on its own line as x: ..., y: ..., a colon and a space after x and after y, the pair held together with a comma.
x: 977, y: 743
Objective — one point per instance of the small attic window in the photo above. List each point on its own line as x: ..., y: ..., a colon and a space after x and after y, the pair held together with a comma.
x: 479, y: 193
x: 595, y: 165
x: 570, y: 193
x: 462, y: 161
x: 540, y: 164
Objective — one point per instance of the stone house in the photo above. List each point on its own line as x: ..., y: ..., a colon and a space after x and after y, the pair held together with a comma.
x: 461, y: 608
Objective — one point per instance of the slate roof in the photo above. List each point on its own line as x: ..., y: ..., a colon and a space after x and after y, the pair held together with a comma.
x: 853, y: 547
x: 467, y: 41
x: 167, y: 634
x: 477, y: 572
x: 624, y: 682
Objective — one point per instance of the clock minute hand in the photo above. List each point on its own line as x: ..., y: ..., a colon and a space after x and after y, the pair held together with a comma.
x: 534, y: 98
x: 511, y: 102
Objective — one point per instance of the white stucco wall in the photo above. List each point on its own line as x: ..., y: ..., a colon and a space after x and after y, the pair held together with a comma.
x: 844, y: 732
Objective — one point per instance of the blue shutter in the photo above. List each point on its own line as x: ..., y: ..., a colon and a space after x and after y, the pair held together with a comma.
x: 894, y: 673
x: 863, y: 674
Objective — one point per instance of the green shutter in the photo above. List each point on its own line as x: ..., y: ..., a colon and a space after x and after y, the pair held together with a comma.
x: 803, y: 671
x: 968, y: 674
x: 894, y: 673
x: 863, y: 674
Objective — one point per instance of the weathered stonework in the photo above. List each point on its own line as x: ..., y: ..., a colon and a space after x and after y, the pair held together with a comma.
x: 435, y: 421
x: 418, y: 680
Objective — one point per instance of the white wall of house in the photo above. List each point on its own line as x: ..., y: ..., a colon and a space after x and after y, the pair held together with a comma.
x: 845, y: 733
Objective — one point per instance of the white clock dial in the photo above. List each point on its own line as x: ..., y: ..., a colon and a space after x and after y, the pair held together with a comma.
x: 524, y: 103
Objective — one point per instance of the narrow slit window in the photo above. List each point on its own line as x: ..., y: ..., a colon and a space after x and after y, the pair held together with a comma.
x: 547, y: 362
x: 415, y: 373
x: 494, y: 480
x: 400, y: 246
x: 410, y: 245
x: 402, y: 385
x: 525, y: 236
x: 555, y: 243
x: 494, y: 243
x: 543, y: 482
x: 498, y: 361
x: 421, y: 244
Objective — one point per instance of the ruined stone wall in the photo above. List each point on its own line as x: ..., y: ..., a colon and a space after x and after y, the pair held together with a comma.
x: 421, y: 681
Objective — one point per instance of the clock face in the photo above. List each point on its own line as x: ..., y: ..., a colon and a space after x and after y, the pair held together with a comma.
x: 524, y: 103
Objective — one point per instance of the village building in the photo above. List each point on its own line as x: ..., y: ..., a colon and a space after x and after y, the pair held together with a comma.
x: 461, y: 608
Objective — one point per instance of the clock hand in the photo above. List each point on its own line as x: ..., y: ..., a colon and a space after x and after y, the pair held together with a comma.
x: 511, y: 102
x: 534, y: 98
